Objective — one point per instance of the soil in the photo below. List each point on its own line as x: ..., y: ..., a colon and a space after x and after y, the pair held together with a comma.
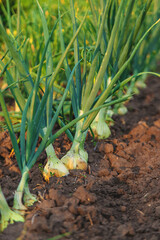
x: 118, y: 197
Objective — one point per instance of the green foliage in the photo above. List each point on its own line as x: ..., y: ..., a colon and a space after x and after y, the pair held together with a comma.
x: 58, y: 71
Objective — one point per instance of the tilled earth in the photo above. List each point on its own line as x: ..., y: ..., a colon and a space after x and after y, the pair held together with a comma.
x: 119, y: 195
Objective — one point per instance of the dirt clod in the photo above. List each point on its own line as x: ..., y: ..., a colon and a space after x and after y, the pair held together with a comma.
x: 125, y: 229
x: 157, y: 211
x: 84, y: 196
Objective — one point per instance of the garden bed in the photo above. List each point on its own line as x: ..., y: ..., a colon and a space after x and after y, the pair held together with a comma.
x: 119, y: 195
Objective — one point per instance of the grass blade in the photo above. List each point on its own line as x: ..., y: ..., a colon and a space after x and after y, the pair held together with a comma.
x: 93, y: 12
x: 14, y: 89
x: 73, y: 92
x: 17, y: 57
x: 22, y: 132
x: 36, y: 112
x: 10, y: 129
x: 9, y: 15
x: 65, y: 53
x: 49, y: 63
x: 76, y: 57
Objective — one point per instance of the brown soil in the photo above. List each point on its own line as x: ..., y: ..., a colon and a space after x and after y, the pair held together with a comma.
x: 119, y: 195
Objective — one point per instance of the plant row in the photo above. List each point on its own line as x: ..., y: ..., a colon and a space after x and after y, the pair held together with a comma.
x: 76, y: 68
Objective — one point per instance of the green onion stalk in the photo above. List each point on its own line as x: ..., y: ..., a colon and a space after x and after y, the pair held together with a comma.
x: 121, y: 108
x: 144, y: 56
x: 19, y: 97
x: 23, y: 192
x: 84, y: 93
x: 77, y: 156
x: 99, y: 126
x: 78, y: 142
x: 23, y: 188
x: 54, y: 166
x: 58, y: 169
x: 33, y: 111
x: 7, y: 215
x: 121, y: 53
x: 27, y: 154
